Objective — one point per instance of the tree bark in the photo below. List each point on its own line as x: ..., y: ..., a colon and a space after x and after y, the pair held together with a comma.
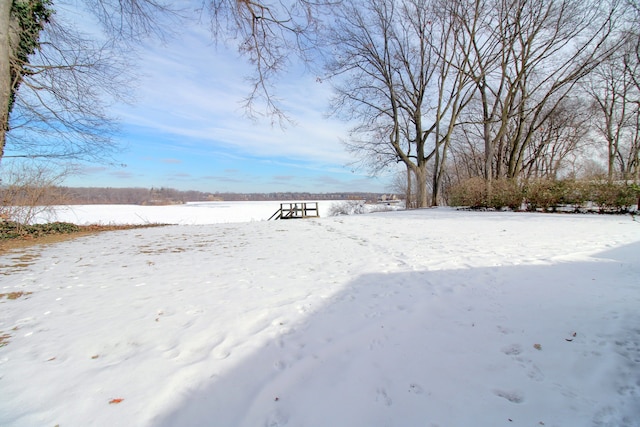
x: 488, y: 145
x: 408, y: 196
x: 5, y: 70
x: 422, y: 194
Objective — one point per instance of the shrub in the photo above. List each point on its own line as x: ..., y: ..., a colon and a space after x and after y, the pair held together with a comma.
x: 575, y: 193
x: 505, y: 193
x: 614, y: 197
x: 350, y: 207
x: 543, y: 194
x: 12, y: 230
x: 609, y: 197
x: 29, y: 192
x: 547, y: 195
x: 471, y: 193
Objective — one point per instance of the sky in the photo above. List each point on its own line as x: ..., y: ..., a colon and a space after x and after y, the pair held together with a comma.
x: 187, y: 129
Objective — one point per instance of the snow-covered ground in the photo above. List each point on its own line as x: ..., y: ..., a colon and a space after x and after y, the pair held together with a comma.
x: 420, y: 318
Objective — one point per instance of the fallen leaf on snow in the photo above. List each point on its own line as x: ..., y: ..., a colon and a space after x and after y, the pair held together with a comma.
x: 115, y: 401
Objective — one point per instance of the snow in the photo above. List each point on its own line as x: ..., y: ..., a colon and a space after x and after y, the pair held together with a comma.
x: 190, y: 213
x: 431, y: 317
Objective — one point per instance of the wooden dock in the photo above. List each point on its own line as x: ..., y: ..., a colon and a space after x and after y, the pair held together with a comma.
x: 296, y: 211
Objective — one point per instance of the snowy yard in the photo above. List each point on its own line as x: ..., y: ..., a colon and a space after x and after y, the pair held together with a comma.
x: 420, y: 318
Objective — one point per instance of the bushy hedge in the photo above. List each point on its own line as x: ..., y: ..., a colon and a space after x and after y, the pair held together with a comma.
x: 550, y: 195
x: 547, y: 195
x: 470, y: 193
x: 619, y: 197
x: 506, y: 193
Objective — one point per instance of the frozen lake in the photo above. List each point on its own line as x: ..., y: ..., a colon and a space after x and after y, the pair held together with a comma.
x: 187, y: 214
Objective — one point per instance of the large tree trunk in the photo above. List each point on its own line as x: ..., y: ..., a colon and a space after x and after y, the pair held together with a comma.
x: 435, y: 183
x: 437, y: 178
x: 409, y: 195
x: 421, y: 193
x: 612, y: 150
x: 5, y: 71
x: 488, y: 155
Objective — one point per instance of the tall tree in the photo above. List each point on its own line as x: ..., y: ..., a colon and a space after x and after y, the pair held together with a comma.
x: 616, y: 108
x: 564, y: 136
x: 390, y: 80
x: 20, y: 25
x: 526, y: 58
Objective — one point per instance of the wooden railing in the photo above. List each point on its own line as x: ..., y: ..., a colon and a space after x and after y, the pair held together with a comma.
x: 296, y: 210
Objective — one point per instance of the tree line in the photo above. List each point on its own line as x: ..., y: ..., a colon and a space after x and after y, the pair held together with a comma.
x: 448, y: 89
x: 166, y: 196
x: 498, y: 89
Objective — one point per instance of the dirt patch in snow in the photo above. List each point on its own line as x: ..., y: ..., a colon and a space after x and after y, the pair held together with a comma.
x: 7, y: 245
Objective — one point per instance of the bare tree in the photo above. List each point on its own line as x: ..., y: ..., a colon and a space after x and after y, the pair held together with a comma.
x: 633, y: 59
x: 389, y: 78
x: 631, y: 62
x: 527, y: 56
x: 56, y: 84
x: 270, y: 35
x: 20, y: 26
x: 402, y: 182
x: 61, y: 110
x: 564, y: 135
x: 29, y: 191
x: 616, y: 108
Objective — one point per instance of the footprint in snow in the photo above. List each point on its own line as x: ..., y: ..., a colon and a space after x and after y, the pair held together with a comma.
x: 383, y: 397
x: 515, y: 350
x: 533, y: 372
x: 281, y: 365
x: 277, y: 419
x: 375, y: 344
x: 512, y: 396
x: 512, y: 350
x: 415, y: 388
x: 503, y: 330
x: 218, y: 350
x: 221, y: 354
x: 609, y: 416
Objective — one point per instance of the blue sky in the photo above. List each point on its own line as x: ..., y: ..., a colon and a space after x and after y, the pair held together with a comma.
x: 188, y: 130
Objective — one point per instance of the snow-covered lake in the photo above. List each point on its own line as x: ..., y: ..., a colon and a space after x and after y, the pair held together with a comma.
x: 189, y: 213
x: 430, y: 317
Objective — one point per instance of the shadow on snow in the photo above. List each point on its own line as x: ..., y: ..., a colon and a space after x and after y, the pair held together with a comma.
x: 447, y: 348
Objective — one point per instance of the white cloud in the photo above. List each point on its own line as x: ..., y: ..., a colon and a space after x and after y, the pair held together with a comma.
x: 188, y: 128
x: 195, y: 91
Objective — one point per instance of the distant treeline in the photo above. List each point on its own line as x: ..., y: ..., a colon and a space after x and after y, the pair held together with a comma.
x: 167, y: 196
